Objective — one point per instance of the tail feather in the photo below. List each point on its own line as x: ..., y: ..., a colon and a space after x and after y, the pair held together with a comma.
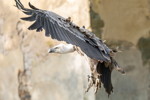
x: 105, y: 77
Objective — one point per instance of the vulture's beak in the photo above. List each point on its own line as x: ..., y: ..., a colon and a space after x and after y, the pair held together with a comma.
x: 51, y: 50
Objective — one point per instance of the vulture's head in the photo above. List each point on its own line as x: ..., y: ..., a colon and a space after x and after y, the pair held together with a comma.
x: 62, y: 48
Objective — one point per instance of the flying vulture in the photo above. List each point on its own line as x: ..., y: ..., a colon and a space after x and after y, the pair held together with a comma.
x: 78, y: 39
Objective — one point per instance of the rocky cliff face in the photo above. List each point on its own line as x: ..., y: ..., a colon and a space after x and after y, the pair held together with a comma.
x: 127, y: 25
x: 124, y: 23
x: 51, y: 76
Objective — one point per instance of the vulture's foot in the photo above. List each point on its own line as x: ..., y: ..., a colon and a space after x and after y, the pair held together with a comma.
x: 90, y: 82
x: 97, y: 84
x: 93, y: 81
x: 121, y: 70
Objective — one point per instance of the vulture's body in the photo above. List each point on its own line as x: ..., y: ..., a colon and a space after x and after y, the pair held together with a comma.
x: 63, y: 29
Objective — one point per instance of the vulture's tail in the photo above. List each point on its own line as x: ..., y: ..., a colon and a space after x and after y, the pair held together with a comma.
x: 105, y: 72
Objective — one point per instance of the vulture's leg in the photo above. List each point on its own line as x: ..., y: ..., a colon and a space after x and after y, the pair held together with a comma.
x: 114, y: 63
x: 90, y: 83
x: 119, y: 69
x: 94, y: 78
x: 91, y: 79
x: 116, y: 66
x: 97, y: 84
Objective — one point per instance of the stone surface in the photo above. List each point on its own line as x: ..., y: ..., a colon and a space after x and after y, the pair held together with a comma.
x: 124, y: 20
x: 53, y: 77
x: 127, y: 25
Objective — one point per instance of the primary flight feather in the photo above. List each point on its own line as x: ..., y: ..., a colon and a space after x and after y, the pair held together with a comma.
x: 59, y: 28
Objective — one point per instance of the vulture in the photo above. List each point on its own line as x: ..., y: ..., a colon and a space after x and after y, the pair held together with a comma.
x: 77, y: 39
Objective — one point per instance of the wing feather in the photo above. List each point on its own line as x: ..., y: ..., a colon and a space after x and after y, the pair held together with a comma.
x: 33, y: 7
x: 58, y: 28
x: 27, y: 12
x: 31, y: 18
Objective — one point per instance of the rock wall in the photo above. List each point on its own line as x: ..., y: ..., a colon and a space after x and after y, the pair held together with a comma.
x: 53, y: 76
x: 124, y: 23
x: 127, y: 25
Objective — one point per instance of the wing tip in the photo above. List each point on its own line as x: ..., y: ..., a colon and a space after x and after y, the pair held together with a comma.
x: 19, y: 5
x: 33, y: 7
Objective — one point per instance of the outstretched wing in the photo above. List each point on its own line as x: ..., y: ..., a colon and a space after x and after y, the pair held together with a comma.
x: 63, y: 30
